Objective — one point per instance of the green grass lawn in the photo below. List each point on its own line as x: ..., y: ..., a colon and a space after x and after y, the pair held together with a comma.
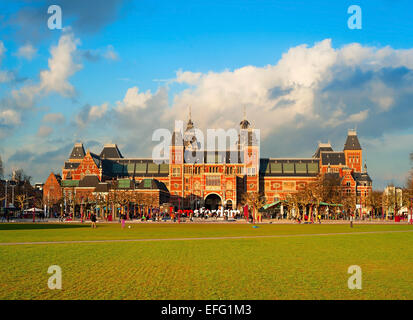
x: 310, y: 267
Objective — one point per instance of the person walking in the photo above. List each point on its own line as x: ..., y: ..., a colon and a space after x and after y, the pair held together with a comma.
x: 351, y: 220
x: 93, y: 220
x: 123, y: 218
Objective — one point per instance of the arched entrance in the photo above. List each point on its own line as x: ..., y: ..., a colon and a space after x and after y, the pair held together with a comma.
x: 213, y: 201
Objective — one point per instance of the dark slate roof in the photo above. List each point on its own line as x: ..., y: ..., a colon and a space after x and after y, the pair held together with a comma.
x: 333, y: 175
x: 96, y: 159
x: 289, y: 167
x: 89, y: 181
x: 71, y: 165
x: 361, y: 177
x: 352, y: 142
x: 78, y: 151
x: 333, y: 158
x: 102, y: 187
x: 151, y: 184
x: 322, y: 148
x: 110, y: 151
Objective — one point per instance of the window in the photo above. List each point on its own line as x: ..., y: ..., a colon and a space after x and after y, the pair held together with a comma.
x: 251, y: 171
x: 213, y: 181
x: 176, y: 172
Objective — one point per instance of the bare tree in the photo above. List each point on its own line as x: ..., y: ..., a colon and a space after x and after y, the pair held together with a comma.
x: 375, y: 201
x: 256, y: 200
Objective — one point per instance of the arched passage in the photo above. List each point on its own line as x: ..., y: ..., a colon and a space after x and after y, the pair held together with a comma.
x: 213, y: 201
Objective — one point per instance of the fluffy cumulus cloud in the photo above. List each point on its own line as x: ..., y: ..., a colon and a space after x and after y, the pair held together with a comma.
x: 309, y: 86
x: 20, y: 102
x: 55, y: 79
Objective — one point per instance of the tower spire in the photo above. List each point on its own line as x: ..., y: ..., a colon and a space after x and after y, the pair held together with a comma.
x: 244, y: 124
x: 190, y: 124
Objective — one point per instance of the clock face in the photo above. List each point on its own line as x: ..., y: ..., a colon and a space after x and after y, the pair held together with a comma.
x: 229, y: 185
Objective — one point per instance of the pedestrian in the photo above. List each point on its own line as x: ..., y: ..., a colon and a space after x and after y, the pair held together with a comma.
x: 93, y: 220
x: 351, y: 220
x: 123, y: 218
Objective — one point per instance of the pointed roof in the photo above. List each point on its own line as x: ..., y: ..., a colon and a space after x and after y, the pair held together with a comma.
x: 352, y: 142
x: 190, y: 124
x: 110, y: 151
x: 78, y: 151
x: 244, y: 124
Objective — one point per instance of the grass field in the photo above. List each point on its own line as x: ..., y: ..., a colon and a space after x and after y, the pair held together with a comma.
x: 308, y: 266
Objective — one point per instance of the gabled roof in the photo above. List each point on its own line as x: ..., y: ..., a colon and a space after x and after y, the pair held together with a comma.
x: 333, y: 158
x: 110, y: 151
x: 78, y: 151
x: 71, y: 165
x: 352, y: 142
x: 361, y: 177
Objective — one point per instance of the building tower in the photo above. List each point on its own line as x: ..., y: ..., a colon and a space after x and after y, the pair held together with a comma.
x: 250, y: 150
x: 353, y: 151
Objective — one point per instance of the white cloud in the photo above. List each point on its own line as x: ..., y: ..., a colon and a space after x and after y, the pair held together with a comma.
x: 98, y: 111
x: 27, y: 52
x: 61, y: 67
x: 55, y: 79
x: 188, y: 77
x: 134, y: 100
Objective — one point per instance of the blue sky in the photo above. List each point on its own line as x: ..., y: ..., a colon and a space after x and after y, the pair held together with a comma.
x: 134, y: 66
